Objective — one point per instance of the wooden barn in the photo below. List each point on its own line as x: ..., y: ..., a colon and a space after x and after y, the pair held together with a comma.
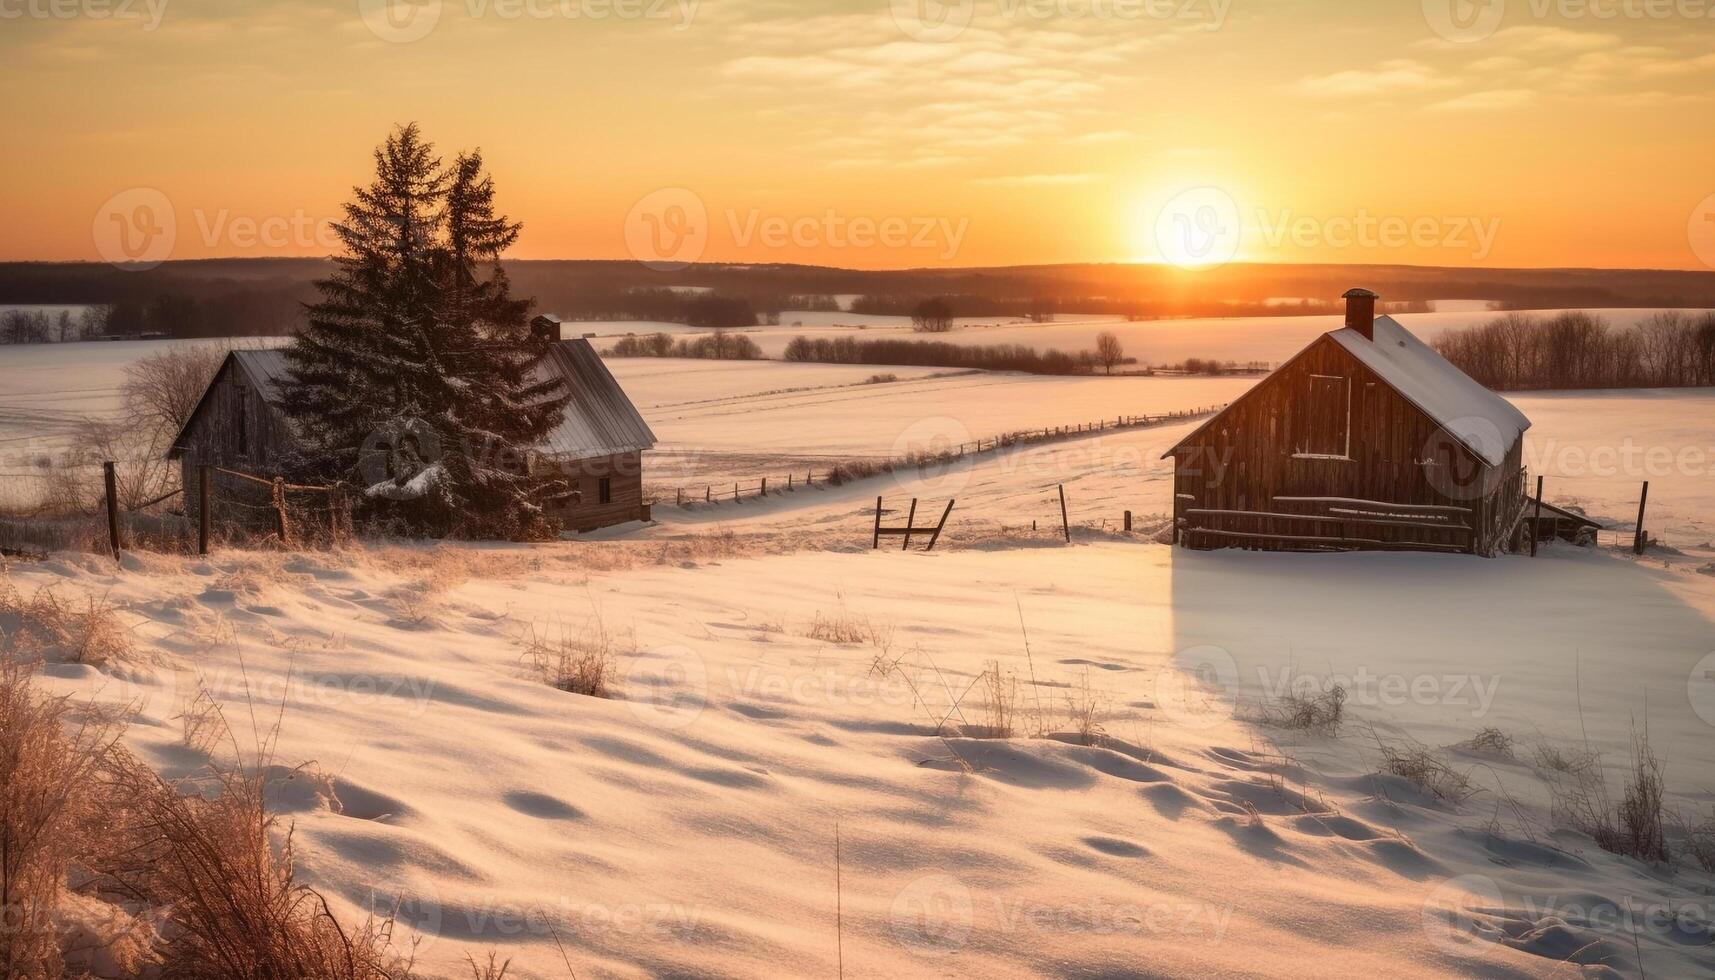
x: 598, y: 445
x: 1366, y: 440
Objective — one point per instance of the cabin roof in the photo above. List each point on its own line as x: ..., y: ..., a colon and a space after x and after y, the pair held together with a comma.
x: 265, y: 368
x: 1483, y: 422
x: 599, y: 419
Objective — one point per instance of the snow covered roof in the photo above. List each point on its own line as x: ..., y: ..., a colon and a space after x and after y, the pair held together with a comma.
x: 1486, y: 423
x: 600, y: 420
x: 1481, y: 420
x: 267, y: 368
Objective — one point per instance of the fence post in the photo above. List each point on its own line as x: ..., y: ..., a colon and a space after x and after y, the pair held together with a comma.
x: 735, y: 493
x: 110, y: 480
x: 1065, y: 525
x: 708, y: 493
x: 877, y: 542
x: 1642, y: 539
x: 1536, y: 525
x: 910, y: 520
x: 679, y: 496
x: 938, y: 528
x: 280, y: 526
x: 205, y: 486
x: 764, y: 492
x: 1128, y: 522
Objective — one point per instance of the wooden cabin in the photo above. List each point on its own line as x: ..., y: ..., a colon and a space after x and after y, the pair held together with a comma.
x: 598, y: 445
x: 1365, y: 440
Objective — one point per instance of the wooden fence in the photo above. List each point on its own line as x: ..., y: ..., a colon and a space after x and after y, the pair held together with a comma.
x: 754, y: 487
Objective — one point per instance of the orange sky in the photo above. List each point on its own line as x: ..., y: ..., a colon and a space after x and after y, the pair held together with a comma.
x: 872, y: 134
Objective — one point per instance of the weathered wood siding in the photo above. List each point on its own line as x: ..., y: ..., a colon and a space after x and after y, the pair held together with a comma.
x: 1324, y: 425
x: 237, y: 429
x: 624, y: 476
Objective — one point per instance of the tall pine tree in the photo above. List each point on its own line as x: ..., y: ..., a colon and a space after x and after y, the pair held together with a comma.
x: 414, y: 379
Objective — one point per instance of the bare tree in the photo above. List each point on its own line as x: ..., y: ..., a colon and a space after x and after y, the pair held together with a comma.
x: 1109, y: 352
x: 162, y: 390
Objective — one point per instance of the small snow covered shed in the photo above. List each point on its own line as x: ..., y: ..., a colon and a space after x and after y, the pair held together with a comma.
x: 1366, y: 440
x: 598, y: 444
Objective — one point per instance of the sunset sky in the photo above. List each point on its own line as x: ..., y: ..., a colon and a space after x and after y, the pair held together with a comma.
x: 871, y: 134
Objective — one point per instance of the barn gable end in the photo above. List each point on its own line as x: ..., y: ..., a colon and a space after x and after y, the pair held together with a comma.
x: 1355, y: 443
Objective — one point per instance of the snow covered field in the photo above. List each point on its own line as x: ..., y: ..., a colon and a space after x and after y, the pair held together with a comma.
x: 776, y: 679
x: 778, y: 686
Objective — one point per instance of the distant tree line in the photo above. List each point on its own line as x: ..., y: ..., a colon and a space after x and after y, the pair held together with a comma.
x: 720, y: 345
x: 39, y: 327
x: 1518, y: 352
x: 932, y: 353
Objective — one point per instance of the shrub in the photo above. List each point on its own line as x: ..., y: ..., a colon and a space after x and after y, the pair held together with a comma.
x: 1491, y: 741
x: 577, y: 662
x: 48, y: 627
x: 1000, y: 706
x: 1322, y: 712
x: 46, y: 818
x: 1632, y: 827
x: 1426, y: 773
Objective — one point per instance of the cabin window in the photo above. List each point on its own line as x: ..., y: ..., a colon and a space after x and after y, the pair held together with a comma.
x: 1327, y: 419
x: 604, y: 490
x: 241, y: 422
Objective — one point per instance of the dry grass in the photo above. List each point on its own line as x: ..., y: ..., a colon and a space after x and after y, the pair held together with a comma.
x: 47, y: 818
x: 1491, y: 741
x: 493, y: 968
x: 236, y: 909
x: 1698, y: 840
x: 842, y: 628
x: 1571, y: 760
x: 1419, y: 766
x: 1632, y: 827
x: 202, y: 726
x: 1321, y: 713
x: 169, y: 881
x: 579, y: 661
x: 1084, y: 709
x: 48, y: 627
x: 1000, y: 703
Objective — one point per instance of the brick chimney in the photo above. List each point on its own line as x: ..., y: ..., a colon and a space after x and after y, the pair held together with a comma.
x: 545, y: 326
x: 1361, y: 312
